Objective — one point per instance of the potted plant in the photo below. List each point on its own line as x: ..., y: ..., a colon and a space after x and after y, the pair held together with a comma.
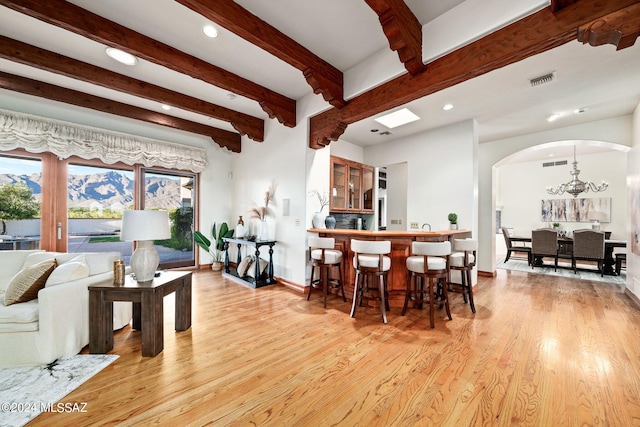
x: 556, y: 225
x: 453, y: 221
x: 216, y: 248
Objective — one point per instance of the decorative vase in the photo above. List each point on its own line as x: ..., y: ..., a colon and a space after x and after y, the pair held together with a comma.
x: 240, y: 230
x: 264, y: 230
x: 318, y: 220
x: 330, y: 222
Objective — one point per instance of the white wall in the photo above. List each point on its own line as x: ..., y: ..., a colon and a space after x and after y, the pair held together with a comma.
x: 616, y: 130
x: 442, y: 173
x: 521, y: 187
x: 633, y: 259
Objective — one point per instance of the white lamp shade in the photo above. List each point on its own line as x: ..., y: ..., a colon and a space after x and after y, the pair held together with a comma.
x: 145, y: 225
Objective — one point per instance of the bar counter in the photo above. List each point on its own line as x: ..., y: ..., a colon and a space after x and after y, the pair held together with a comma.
x: 400, y: 250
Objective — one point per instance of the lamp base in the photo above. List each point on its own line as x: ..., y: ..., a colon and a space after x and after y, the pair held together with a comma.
x: 144, y: 261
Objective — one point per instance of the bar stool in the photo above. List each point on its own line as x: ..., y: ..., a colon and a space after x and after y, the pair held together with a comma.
x: 429, y: 264
x: 370, y: 262
x: 323, y: 255
x: 463, y: 259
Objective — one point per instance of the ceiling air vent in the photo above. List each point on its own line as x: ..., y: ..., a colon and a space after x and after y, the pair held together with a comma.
x: 547, y: 78
x: 549, y: 164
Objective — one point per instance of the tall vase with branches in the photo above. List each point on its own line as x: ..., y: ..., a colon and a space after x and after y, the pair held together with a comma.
x: 318, y: 217
x: 262, y: 212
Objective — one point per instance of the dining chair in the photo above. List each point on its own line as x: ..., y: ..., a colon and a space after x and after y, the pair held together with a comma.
x: 511, y: 248
x: 323, y: 256
x: 588, y: 245
x: 544, y: 243
x: 371, y: 264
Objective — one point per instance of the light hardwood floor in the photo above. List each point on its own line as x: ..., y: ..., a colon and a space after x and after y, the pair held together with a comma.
x: 540, y: 351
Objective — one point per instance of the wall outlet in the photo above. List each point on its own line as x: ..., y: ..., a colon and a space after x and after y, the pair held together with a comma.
x: 414, y: 225
x: 396, y: 221
x: 297, y: 222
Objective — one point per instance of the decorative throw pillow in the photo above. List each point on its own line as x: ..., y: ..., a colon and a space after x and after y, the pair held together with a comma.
x: 244, y: 266
x: 252, y: 271
x: 24, y: 286
x: 73, y: 269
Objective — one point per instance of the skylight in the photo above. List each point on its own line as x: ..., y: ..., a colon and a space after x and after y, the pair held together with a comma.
x: 397, y: 118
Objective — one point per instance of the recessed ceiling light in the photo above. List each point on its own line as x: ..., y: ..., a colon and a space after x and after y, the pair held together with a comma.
x: 210, y: 31
x: 397, y: 118
x: 374, y: 130
x: 580, y: 110
x: 447, y: 107
x: 231, y: 96
x: 166, y: 107
x: 120, y: 56
x: 553, y: 117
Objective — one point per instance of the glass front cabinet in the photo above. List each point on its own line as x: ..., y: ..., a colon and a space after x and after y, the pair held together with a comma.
x: 351, y: 186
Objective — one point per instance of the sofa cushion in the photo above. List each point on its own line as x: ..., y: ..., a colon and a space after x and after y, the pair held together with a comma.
x: 27, y: 312
x: 24, y: 286
x: 74, y: 269
x: 12, y: 262
x: 38, y: 257
x: 98, y: 262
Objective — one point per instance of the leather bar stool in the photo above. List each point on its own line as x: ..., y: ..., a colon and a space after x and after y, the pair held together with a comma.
x: 428, y: 267
x: 371, y: 265
x: 323, y: 255
x: 463, y: 259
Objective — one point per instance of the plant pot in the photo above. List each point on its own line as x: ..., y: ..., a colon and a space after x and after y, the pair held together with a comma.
x: 216, y: 265
x: 453, y: 226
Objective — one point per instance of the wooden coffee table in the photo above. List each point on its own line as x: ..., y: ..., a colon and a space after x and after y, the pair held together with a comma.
x: 148, y: 309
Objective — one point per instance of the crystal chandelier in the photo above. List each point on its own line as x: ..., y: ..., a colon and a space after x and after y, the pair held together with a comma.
x: 575, y: 186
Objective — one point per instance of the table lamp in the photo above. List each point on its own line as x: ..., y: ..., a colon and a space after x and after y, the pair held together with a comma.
x: 145, y: 226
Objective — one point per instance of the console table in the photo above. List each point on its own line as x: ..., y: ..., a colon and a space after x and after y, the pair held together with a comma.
x: 259, y: 278
x: 148, y: 309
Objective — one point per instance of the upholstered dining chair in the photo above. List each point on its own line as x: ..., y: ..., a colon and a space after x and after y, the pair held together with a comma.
x: 544, y: 243
x: 323, y: 256
x: 511, y: 248
x: 588, y: 245
x: 372, y: 265
x: 428, y: 274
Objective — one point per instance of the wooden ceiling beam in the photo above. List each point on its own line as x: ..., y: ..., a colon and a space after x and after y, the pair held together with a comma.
x: 403, y: 30
x: 532, y: 35
x: 321, y: 76
x: 26, y: 54
x: 80, y: 21
x: 620, y: 28
x: 223, y: 138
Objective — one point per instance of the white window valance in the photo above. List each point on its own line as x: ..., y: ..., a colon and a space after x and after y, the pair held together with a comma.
x: 38, y: 134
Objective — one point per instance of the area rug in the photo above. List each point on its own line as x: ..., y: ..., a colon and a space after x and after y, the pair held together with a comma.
x: 27, y: 391
x: 563, y: 271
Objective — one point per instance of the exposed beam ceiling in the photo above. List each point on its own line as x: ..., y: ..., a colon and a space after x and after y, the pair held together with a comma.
x: 403, y: 31
x: 529, y: 36
x: 322, y: 76
x: 80, y: 21
x: 32, y: 87
x: 23, y: 53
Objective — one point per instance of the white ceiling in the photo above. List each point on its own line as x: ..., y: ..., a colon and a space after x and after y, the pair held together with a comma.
x: 347, y: 34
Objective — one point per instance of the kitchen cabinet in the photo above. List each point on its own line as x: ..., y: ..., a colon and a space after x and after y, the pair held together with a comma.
x: 351, y: 186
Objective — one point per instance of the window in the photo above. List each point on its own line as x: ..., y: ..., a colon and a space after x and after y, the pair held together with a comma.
x: 20, y: 202
x: 89, y: 218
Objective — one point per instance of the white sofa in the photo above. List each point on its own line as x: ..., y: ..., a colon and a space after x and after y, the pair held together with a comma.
x: 56, y: 324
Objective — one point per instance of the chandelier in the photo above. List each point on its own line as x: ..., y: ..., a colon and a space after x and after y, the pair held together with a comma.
x: 575, y: 186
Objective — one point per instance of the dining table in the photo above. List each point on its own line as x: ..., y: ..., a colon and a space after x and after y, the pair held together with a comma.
x: 565, y: 243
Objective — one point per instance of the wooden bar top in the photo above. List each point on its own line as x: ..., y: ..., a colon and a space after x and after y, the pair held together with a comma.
x: 387, y: 233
